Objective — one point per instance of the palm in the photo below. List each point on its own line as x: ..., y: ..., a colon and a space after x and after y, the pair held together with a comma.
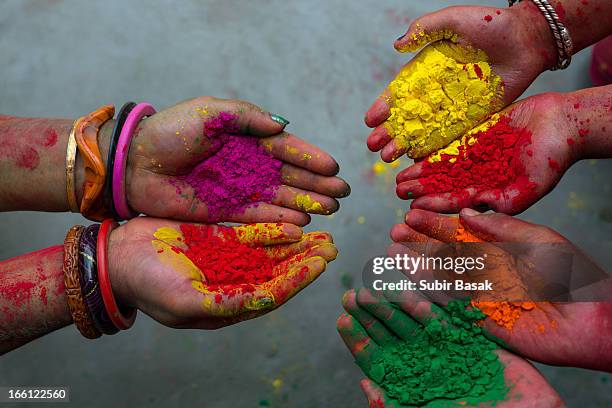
x: 544, y: 158
x: 169, y: 287
x: 171, y: 143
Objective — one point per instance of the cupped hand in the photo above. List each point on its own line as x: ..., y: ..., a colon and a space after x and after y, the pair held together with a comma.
x: 572, y: 334
x: 372, y: 322
x: 541, y: 157
x: 148, y: 271
x: 516, y: 41
x: 172, y: 142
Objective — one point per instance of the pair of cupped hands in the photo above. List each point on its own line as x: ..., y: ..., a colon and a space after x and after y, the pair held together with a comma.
x: 574, y: 334
x: 168, y: 145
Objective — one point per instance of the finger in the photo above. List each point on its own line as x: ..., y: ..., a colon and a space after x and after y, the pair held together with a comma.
x: 410, y: 173
x: 188, y: 207
x: 309, y: 240
x: 361, y: 346
x: 327, y: 251
x: 288, y: 284
x: 290, y: 149
x: 413, y: 189
x: 432, y: 27
x: 433, y: 224
x: 379, y: 111
x: 496, y: 200
x: 392, y: 151
x: 448, y: 203
x: 379, y: 138
x: 415, y: 305
x: 403, y: 233
x: 306, y: 180
x: 234, y: 302
x: 496, y: 227
x: 391, y: 316
x: 261, y: 234
x: 377, y: 331
x: 375, y: 395
x: 305, y: 201
x: 247, y: 117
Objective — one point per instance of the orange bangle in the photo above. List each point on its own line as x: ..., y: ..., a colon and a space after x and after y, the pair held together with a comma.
x: 86, y: 134
x: 72, y: 282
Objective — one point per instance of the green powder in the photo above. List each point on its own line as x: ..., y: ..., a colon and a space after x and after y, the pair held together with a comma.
x: 441, y: 366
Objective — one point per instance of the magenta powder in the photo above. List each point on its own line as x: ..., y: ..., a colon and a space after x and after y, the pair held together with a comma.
x: 241, y: 173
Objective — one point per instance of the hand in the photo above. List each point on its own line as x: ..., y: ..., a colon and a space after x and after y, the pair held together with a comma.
x: 172, y: 142
x: 373, y: 322
x: 569, y: 334
x: 517, y: 42
x: 147, y: 273
x: 543, y: 159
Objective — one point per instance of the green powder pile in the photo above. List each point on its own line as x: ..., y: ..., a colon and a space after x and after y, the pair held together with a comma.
x: 442, y: 365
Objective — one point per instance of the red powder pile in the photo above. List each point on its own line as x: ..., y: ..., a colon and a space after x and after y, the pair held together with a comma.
x: 224, y: 260
x: 493, y: 162
x: 239, y: 174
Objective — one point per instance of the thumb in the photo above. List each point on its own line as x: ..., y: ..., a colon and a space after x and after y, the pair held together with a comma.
x: 432, y: 27
x: 374, y: 394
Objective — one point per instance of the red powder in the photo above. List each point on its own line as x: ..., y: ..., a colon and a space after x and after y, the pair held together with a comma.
x: 226, y: 263
x: 498, y: 12
x: 493, y: 162
x: 576, y: 105
x: 17, y: 293
x: 478, y: 70
x: 43, y: 295
x: 570, y: 141
x: 583, y: 132
x: 27, y: 158
x: 560, y: 10
x: 488, y: 18
x: 553, y: 164
x: 49, y: 138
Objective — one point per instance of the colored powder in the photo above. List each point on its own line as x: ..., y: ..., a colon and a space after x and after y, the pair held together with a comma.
x: 437, y: 98
x: 307, y: 204
x: 503, y: 313
x: 224, y: 260
x: 441, y: 365
x: 241, y: 173
x: 487, y: 160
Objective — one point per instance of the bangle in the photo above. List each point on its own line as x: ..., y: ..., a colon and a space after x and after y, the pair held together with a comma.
x: 87, y: 142
x: 90, y: 288
x: 71, y: 152
x: 561, y: 35
x: 122, y: 321
x: 110, y: 161
x: 121, y: 154
x: 79, y: 313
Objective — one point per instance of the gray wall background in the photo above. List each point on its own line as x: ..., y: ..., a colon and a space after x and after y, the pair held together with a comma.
x: 318, y: 63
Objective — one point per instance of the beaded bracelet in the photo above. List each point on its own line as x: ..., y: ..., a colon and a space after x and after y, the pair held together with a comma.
x: 122, y: 320
x: 110, y: 162
x: 79, y: 312
x: 90, y: 288
x: 121, y: 155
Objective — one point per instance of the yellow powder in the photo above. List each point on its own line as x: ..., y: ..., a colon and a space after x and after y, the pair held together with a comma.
x: 420, y: 38
x: 442, y: 93
x: 306, y: 203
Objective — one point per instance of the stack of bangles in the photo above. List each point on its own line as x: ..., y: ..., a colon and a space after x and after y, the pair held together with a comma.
x: 90, y: 297
x: 104, y: 192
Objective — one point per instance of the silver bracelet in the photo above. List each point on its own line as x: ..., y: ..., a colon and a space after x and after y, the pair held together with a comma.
x: 561, y: 35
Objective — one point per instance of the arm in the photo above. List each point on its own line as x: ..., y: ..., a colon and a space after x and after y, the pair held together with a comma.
x: 33, y: 163
x: 589, y: 113
x: 32, y: 297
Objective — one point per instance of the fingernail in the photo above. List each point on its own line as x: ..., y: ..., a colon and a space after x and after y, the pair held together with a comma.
x: 263, y: 302
x: 468, y: 212
x: 279, y: 119
x: 400, y: 37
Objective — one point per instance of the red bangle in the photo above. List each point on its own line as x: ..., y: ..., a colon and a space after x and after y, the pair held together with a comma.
x: 123, y: 320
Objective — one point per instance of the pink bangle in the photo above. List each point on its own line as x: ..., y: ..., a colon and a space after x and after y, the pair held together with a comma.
x: 121, y: 154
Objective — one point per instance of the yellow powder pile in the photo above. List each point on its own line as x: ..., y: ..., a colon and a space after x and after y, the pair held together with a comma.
x: 437, y: 98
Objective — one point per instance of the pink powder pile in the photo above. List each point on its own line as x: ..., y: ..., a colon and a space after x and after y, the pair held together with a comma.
x: 239, y: 174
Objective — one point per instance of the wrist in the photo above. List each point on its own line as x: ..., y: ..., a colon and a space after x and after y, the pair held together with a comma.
x: 116, y: 269
x: 544, y: 48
